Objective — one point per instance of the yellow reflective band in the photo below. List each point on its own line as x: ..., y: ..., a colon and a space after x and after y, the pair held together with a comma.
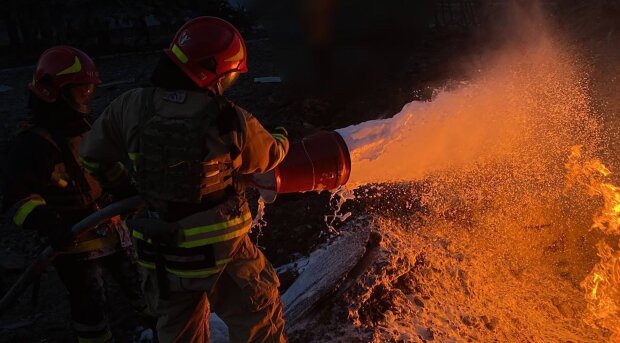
x: 140, y: 236
x: 106, y: 337
x: 74, y: 68
x: 25, y: 209
x: 208, y: 228
x: 216, y: 239
x: 190, y: 273
x: 279, y: 137
x: 132, y: 156
x: 282, y: 154
x: 200, y: 242
x: 238, y: 56
x: 179, y: 54
x: 146, y: 265
x: 104, y: 243
x: 194, y: 273
x: 88, y: 165
x: 218, y: 226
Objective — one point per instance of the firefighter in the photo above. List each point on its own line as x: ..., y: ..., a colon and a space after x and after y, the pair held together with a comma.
x: 47, y: 190
x: 186, y: 145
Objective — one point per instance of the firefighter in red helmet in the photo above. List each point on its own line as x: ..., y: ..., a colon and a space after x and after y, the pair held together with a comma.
x: 47, y: 190
x: 186, y: 145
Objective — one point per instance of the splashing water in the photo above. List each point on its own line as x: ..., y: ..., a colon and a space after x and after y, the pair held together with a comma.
x: 517, y: 112
x: 259, y: 221
x: 507, y: 242
x: 336, y: 200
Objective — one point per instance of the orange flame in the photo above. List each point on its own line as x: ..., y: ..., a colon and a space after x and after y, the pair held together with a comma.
x: 597, y: 277
x: 602, y: 285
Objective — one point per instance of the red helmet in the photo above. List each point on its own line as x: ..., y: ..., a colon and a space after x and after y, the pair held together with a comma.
x: 61, y: 66
x: 207, y: 49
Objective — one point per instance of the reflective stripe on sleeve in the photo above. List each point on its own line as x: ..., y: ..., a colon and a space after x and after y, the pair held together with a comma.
x: 25, y: 209
x: 217, y: 226
x: 90, y: 166
x: 199, y: 273
x: 210, y: 234
x: 281, y: 138
x: 104, y: 338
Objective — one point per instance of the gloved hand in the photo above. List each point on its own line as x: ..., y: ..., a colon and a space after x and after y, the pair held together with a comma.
x: 49, y: 224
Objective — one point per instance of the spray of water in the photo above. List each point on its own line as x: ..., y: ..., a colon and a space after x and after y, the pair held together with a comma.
x: 259, y: 222
x: 494, y: 151
x: 336, y: 200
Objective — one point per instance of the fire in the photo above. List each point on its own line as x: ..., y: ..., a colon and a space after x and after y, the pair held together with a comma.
x: 595, y: 281
x: 602, y: 285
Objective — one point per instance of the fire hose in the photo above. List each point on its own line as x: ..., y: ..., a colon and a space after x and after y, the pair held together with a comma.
x: 318, y: 162
x: 45, y: 258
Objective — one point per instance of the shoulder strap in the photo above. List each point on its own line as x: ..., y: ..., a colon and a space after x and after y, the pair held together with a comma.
x: 227, y: 121
x: 73, y: 168
x: 147, y: 107
x: 41, y: 132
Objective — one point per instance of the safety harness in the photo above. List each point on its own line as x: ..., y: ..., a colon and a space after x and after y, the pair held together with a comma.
x: 76, y: 201
x: 194, y: 207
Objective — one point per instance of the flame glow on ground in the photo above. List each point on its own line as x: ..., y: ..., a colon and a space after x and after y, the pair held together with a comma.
x: 508, y: 248
x: 602, y: 285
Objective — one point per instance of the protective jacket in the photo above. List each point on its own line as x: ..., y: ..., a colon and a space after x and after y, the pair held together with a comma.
x: 45, y: 178
x: 46, y: 189
x: 184, y: 150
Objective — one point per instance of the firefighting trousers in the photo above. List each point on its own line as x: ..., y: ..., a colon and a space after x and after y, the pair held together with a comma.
x: 244, y: 295
x: 84, y: 280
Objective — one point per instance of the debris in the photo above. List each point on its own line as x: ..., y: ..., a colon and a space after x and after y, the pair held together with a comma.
x: 325, y: 269
x: 418, y: 301
x: 426, y: 334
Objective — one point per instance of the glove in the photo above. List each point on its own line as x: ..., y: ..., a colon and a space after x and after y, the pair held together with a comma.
x: 49, y: 224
